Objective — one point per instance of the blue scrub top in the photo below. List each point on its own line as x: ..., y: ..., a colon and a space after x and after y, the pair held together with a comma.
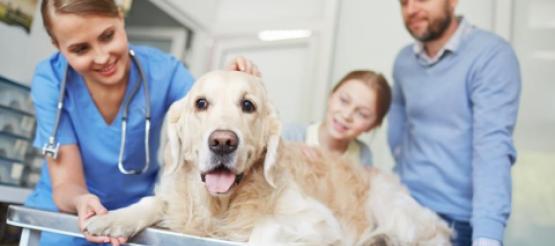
x: 82, y: 124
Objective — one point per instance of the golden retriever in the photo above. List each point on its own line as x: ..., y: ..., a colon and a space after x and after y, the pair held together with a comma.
x: 227, y: 174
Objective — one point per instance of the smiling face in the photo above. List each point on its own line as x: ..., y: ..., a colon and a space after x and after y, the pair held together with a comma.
x: 427, y: 20
x: 351, y: 110
x: 94, y: 45
x: 224, y: 126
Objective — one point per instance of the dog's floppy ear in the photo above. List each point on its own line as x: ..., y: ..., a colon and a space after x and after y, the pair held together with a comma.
x: 172, y: 144
x: 273, y: 128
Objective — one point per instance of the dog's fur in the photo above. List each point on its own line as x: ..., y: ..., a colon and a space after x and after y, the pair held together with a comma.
x: 283, y: 196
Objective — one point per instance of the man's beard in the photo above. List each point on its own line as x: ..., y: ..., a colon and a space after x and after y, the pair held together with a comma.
x: 435, y: 30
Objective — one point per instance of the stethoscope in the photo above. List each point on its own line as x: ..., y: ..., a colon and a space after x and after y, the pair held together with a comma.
x: 52, y: 147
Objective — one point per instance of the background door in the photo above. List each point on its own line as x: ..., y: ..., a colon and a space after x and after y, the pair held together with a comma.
x: 533, y: 37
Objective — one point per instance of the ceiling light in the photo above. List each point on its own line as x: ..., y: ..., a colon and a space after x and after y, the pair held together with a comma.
x: 274, y: 35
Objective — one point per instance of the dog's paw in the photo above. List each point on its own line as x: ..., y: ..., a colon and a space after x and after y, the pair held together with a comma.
x: 112, y: 224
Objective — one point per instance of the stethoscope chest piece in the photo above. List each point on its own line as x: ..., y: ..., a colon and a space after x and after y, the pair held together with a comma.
x: 51, y: 149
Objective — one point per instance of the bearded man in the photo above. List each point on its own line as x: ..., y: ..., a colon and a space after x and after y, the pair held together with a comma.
x: 455, y: 101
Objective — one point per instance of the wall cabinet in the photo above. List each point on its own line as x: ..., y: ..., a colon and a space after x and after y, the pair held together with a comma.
x: 19, y: 161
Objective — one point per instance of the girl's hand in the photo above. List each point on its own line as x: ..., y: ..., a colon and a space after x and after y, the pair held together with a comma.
x: 311, y: 153
x: 243, y: 64
x: 88, y: 205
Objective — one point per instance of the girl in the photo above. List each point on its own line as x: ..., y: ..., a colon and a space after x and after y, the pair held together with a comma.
x: 357, y: 104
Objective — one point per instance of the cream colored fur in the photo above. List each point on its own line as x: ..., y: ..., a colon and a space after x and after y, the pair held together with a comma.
x: 284, y: 197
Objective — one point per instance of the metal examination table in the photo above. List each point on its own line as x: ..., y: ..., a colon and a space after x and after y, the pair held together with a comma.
x: 34, y: 221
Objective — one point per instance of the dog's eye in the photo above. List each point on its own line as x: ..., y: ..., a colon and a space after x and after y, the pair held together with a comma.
x: 201, y: 104
x: 247, y: 106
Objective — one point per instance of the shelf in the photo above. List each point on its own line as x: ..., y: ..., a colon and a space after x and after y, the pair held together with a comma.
x: 15, y: 110
x: 15, y: 84
x: 18, y: 94
x: 16, y: 136
x: 12, y: 194
x: 3, y: 158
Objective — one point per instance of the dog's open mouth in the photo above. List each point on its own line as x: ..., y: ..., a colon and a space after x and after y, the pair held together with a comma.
x: 220, y: 179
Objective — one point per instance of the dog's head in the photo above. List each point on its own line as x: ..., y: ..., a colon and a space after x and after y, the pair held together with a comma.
x: 223, y: 126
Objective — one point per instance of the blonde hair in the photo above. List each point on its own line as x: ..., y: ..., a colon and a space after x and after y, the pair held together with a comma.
x: 79, y: 7
x: 378, y: 83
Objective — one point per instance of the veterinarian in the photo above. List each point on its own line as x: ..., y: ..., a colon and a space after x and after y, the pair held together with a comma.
x: 357, y: 104
x: 455, y: 101
x: 100, y: 103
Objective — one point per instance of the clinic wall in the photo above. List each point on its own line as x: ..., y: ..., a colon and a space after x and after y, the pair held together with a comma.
x: 295, y: 70
x: 268, y: 11
x: 20, y: 51
x: 198, y: 15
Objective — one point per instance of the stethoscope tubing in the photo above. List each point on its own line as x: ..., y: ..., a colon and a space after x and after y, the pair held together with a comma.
x: 127, y: 101
x: 52, y: 147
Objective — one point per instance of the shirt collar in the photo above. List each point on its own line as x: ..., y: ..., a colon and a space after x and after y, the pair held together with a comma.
x: 452, y: 45
x: 312, y: 139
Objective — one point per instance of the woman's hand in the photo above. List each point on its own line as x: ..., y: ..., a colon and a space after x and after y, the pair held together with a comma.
x: 88, y: 205
x: 243, y: 64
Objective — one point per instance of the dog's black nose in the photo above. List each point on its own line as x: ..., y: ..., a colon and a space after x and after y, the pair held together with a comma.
x: 223, y: 142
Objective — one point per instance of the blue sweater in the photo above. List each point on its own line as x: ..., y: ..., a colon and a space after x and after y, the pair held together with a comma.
x: 451, y: 126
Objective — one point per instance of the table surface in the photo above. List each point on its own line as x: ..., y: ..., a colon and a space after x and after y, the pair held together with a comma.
x: 67, y: 224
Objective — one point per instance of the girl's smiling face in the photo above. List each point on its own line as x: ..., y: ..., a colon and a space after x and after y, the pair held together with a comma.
x: 351, y: 110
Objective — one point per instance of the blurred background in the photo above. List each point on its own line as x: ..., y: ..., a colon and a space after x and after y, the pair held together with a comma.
x: 302, y: 49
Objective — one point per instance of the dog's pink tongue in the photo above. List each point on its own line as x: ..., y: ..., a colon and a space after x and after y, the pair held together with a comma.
x: 219, y: 182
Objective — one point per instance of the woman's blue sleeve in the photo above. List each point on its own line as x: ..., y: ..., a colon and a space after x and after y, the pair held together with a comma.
x: 45, y: 89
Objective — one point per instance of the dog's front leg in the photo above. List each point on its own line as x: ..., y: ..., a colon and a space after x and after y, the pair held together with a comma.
x: 128, y: 221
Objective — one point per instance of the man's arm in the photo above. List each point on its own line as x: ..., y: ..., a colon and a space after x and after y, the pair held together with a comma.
x: 495, y: 91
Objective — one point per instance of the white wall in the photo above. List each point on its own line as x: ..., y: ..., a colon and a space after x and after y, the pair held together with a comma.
x: 198, y: 14
x: 296, y: 71
x: 268, y: 11
x: 21, y: 51
x: 288, y: 90
x: 533, y: 218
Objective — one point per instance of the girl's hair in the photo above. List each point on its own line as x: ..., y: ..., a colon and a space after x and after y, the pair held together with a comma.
x: 79, y: 7
x: 376, y: 82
